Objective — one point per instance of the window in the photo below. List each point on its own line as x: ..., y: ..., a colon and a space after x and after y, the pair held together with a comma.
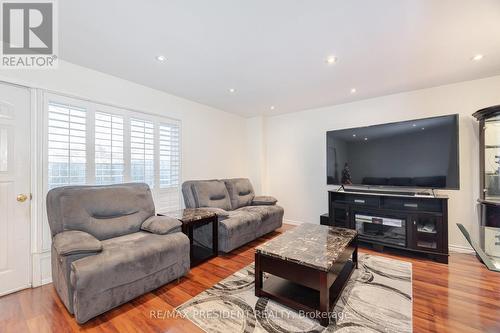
x: 66, y: 145
x: 169, y: 155
x: 90, y: 143
x: 142, y: 151
x: 109, y: 165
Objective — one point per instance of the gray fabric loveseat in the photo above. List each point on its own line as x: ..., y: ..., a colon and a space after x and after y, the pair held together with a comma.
x: 108, y: 246
x: 242, y: 216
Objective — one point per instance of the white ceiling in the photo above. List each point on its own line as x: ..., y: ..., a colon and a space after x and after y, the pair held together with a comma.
x: 273, y: 51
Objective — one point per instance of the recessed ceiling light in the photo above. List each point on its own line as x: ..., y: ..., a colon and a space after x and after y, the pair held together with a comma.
x: 232, y: 90
x: 161, y: 58
x: 354, y: 135
x: 353, y: 90
x: 272, y: 107
x: 423, y: 128
x: 366, y: 139
x: 414, y: 125
x: 477, y: 57
x: 331, y: 60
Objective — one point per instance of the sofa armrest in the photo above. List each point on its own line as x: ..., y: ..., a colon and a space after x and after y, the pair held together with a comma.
x: 76, y: 242
x: 264, y: 200
x: 161, y: 225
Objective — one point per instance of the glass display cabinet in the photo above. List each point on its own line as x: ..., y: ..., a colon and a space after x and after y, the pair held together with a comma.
x: 488, y: 246
x: 489, y: 165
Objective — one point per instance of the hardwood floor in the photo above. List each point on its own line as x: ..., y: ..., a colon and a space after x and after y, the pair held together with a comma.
x: 460, y: 297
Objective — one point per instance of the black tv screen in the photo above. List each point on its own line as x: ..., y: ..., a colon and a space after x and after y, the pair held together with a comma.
x: 419, y: 153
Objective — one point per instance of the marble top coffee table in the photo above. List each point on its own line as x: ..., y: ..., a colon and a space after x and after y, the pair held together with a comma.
x: 307, y: 268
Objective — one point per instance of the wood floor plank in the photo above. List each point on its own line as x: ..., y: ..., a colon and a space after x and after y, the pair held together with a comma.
x: 173, y: 296
x: 462, y: 296
x: 39, y: 324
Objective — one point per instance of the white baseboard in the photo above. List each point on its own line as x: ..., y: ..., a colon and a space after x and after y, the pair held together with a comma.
x: 14, y: 290
x: 461, y: 249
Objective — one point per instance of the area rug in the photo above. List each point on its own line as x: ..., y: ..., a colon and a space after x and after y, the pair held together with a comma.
x: 377, y: 298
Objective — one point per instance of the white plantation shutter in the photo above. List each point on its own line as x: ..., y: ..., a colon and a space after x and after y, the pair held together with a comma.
x: 90, y: 143
x: 142, y: 152
x: 169, y: 173
x: 66, y: 138
x: 109, y: 162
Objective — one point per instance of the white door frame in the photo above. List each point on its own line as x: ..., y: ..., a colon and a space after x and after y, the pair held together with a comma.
x: 41, y: 266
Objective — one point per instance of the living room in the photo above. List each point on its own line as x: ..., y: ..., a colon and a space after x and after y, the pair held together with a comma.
x: 167, y: 166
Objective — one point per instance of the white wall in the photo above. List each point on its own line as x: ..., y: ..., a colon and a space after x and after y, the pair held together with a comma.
x: 212, y: 140
x: 256, y: 156
x: 296, y: 146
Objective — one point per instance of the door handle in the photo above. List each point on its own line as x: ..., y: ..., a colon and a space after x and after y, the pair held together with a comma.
x: 22, y: 197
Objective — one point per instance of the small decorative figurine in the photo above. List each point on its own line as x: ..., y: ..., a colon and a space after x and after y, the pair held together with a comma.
x: 346, y: 175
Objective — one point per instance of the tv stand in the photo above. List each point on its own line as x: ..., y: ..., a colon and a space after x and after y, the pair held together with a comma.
x: 416, y: 224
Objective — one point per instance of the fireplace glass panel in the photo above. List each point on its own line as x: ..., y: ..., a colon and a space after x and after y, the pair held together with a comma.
x: 381, y: 229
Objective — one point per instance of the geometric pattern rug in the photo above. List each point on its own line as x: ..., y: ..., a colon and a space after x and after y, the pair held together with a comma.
x: 377, y: 298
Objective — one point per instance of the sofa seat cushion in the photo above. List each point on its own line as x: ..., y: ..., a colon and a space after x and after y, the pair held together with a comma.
x: 240, y: 220
x: 265, y: 212
x: 237, y: 230
x: 211, y: 193
x: 271, y: 218
x: 126, y: 259
x: 76, y: 242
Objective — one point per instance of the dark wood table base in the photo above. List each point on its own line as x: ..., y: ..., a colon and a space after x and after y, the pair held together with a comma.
x: 310, y: 291
x: 193, y: 218
x: 198, y: 252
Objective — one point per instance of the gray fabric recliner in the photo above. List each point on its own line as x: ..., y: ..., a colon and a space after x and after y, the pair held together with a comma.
x: 242, y: 216
x: 108, y: 246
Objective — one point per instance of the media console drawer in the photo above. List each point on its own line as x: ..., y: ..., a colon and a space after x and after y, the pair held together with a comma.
x: 362, y: 200
x: 428, y: 205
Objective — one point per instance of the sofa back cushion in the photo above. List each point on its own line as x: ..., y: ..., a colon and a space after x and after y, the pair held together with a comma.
x: 102, y: 211
x: 187, y: 192
x: 240, y: 191
x: 211, y: 193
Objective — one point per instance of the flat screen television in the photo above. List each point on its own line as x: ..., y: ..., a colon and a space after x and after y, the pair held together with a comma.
x: 419, y: 153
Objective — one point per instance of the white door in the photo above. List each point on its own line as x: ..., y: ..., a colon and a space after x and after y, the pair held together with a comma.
x: 14, y: 188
